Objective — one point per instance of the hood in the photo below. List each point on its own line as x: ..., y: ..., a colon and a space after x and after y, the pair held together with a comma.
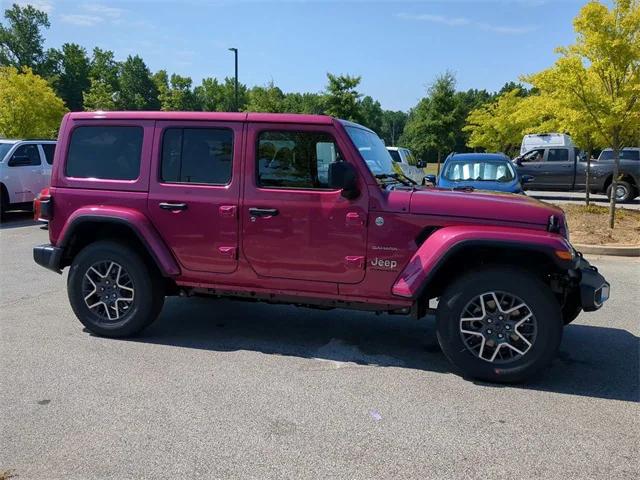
x: 503, y: 207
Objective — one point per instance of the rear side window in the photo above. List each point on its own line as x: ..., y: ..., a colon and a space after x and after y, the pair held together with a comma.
x: 26, y: 155
x: 197, y: 155
x: 105, y: 152
x: 558, y: 155
x: 295, y: 159
x: 49, y: 151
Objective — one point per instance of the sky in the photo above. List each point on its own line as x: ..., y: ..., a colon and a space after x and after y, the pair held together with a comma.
x: 398, y: 47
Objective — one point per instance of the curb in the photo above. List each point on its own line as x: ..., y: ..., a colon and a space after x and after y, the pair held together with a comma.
x: 619, y: 251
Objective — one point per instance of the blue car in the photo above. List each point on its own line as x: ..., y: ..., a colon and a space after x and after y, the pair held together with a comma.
x: 480, y: 171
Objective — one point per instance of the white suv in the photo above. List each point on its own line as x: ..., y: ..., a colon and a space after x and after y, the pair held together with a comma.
x: 411, y: 167
x: 25, y: 169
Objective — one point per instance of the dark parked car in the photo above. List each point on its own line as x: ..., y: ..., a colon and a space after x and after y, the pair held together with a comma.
x: 480, y: 171
x: 564, y: 169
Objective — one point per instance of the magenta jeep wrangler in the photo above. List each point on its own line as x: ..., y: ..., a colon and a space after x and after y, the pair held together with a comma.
x: 305, y: 210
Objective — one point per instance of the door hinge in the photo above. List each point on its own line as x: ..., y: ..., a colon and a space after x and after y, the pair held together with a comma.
x: 355, y: 261
x: 227, y: 211
x: 229, y: 252
x: 354, y: 219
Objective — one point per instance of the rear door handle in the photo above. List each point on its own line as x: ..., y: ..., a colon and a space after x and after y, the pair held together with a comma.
x: 263, y: 212
x: 172, y: 206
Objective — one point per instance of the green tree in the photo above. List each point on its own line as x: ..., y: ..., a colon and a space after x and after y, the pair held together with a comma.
x: 137, y: 90
x: 28, y: 105
x: 104, y: 82
x: 265, y: 99
x: 371, y: 114
x: 599, y: 75
x: 72, y: 75
x: 312, y: 103
x: 392, y: 126
x: 104, y: 68
x: 178, y: 96
x: 432, y: 123
x: 100, y: 96
x: 21, y: 40
x: 215, y: 96
x: 342, y: 98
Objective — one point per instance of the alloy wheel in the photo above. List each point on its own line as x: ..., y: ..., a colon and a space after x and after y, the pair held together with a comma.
x: 498, y: 327
x: 108, y: 290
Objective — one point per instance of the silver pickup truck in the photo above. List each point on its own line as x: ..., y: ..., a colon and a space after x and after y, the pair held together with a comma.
x: 565, y: 169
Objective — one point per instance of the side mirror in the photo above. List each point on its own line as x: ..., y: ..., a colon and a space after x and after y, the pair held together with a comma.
x: 518, y: 161
x: 342, y: 175
x: 430, y: 178
x: 19, y: 161
x: 421, y: 164
x: 526, y: 179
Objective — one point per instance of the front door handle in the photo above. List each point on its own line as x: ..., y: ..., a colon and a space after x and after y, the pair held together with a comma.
x: 172, y: 206
x: 263, y: 212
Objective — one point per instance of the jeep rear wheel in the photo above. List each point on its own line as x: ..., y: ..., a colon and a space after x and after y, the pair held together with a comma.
x: 112, y: 291
x: 499, y: 324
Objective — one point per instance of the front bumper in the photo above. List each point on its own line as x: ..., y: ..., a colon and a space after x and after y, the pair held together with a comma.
x: 593, y: 288
x: 48, y: 256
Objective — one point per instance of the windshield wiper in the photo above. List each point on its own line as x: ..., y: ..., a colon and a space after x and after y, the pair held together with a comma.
x: 397, y: 177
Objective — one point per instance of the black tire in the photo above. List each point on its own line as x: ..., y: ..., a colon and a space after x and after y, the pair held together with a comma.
x: 629, y: 192
x: 148, y: 293
x: 532, y: 291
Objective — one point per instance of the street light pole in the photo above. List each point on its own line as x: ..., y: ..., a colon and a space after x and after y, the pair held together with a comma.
x: 235, y: 53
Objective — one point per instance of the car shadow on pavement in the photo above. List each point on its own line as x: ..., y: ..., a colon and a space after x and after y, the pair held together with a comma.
x: 17, y: 219
x: 593, y: 361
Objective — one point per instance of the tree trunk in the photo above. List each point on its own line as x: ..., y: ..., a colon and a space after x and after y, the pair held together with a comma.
x: 438, y: 172
x: 587, y: 182
x: 614, y: 180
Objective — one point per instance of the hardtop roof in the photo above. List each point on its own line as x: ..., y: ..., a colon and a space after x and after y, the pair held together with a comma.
x: 205, y: 116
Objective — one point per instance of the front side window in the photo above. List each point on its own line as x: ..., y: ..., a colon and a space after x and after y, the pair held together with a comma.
x: 49, y: 152
x: 4, y: 149
x: 197, y: 155
x: 411, y: 160
x: 534, y: 155
x: 558, y: 155
x: 479, y: 171
x: 105, y: 152
x: 295, y: 159
x: 26, y: 155
x: 395, y: 155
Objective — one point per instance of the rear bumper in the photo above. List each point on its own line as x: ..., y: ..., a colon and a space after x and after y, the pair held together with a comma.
x: 48, y: 257
x: 594, y: 289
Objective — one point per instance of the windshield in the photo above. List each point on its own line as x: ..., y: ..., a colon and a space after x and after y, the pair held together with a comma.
x: 479, y: 171
x: 4, y: 148
x: 624, y: 155
x: 375, y: 154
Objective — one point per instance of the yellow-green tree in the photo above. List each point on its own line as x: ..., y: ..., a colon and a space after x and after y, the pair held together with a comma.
x: 599, y: 75
x: 499, y: 125
x: 28, y: 105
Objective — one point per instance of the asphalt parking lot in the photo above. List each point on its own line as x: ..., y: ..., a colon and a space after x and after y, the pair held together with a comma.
x: 222, y: 389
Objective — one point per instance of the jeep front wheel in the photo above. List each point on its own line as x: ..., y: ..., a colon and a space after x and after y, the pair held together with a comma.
x: 112, y: 291
x: 499, y: 324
